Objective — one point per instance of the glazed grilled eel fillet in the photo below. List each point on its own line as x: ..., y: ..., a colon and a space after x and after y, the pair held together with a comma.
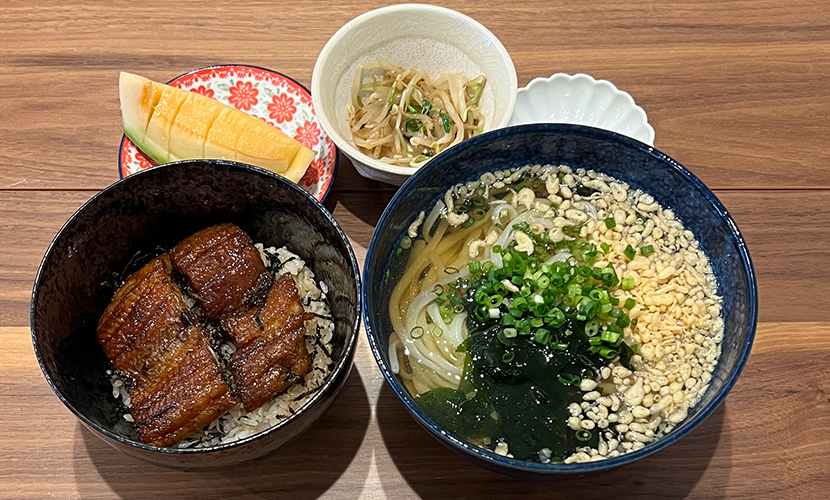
x: 148, y: 333
x: 272, y: 354
x: 225, y: 270
x: 221, y: 265
x: 176, y: 384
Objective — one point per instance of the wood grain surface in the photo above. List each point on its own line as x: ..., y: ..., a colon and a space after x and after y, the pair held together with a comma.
x: 736, y: 91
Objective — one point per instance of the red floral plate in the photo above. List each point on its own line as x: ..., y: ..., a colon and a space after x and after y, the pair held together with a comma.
x: 270, y: 96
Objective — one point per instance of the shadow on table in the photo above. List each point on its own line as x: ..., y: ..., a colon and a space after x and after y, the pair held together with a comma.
x: 434, y: 472
x: 303, y: 469
x: 365, y: 206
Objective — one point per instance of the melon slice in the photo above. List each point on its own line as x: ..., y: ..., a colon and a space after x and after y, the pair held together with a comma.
x: 221, y: 140
x: 156, y: 141
x: 170, y: 124
x: 191, y: 126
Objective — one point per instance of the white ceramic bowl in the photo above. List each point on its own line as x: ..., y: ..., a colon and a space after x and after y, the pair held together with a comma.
x: 433, y: 39
x: 581, y: 100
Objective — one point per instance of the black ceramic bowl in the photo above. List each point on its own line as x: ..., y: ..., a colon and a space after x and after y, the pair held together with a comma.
x: 578, y: 147
x: 135, y: 219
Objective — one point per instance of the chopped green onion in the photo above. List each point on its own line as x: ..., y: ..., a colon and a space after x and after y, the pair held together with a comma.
x: 591, y: 328
x: 629, y: 252
x: 542, y: 336
x: 412, y: 125
x: 476, y: 93
x: 416, y: 332
x: 510, y: 332
x: 406, y: 242
x: 468, y: 222
x: 446, y: 120
x: 437, y: 332
x: 629, y: 303
x: 451, y: 270
x: 605, y: 247
x: 508, y: 357
x: 608, y: 353
x: 609, y: 336
x: 610, y: 222
x: 426, y: 107
x: 627, y: 283
x: 647, y: 250
x: 439, y: 290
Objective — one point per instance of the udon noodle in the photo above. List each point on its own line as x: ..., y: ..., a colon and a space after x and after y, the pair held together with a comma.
x: 554, y: 315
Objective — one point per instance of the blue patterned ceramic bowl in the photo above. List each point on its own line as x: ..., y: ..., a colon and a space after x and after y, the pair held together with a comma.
x: 626, y: 159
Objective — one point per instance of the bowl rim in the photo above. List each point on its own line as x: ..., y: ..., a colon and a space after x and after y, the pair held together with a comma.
x: 325, y: 194
x: 341, y: 142
x: 535, y: 92
x: 344, y: 364
x: 470, y: 451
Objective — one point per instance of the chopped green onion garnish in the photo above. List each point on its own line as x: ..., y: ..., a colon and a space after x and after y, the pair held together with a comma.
x: 647, y: 250
x: 610, y: 222
x: 629, y: 303
x: 629, y: 252
x: 426, y: 107
x: 417, y: 332
x: 605, y: 248
x: 446, y: 120
x: 508, y: 356
x: 627, y: 283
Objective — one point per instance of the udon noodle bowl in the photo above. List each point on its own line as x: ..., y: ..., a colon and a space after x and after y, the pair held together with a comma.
x: 554, y: 315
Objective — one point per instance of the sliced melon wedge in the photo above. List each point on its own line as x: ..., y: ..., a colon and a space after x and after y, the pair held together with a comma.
x: 225, y: 131
x: 139, y: 96
x: 170, y: 124
x: 157, y: 137
x: 191, y: 126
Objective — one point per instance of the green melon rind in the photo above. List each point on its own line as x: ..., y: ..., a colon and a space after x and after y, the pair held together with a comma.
x: 134, y: 118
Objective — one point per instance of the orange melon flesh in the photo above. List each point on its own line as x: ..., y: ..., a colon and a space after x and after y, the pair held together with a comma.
x: 192, y: 125
x: 157, y: 137
x: 139, y: 96
x: 170, y: 124
x: 266, y: 147
x: 223, y: 134
x: 300, y: 164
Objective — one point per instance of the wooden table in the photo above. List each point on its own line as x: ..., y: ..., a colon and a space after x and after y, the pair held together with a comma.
x: 736, y: 90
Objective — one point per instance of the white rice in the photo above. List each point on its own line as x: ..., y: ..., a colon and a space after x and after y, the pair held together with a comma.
x: 238, y: 424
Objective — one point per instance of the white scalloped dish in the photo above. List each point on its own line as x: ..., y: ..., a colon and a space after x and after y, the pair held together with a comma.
x: 581, y: 100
